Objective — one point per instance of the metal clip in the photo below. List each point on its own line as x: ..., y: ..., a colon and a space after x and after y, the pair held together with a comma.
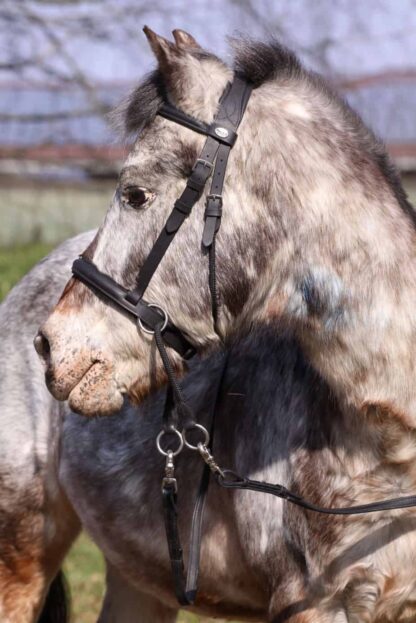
x: 209, y: 460
x: 169, y: 479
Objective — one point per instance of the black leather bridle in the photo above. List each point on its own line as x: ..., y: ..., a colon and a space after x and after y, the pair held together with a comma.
x: 221, y: 136
x: 152, y: 318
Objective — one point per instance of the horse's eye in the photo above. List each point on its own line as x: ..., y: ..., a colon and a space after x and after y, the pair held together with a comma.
x: 136, y: 196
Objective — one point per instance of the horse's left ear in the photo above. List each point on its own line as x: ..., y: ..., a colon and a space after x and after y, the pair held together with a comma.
x: 184, y: 40
x: 164, y: 50
x: 181, y: 69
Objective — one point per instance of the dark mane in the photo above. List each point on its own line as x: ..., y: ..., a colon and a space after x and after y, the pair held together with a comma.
x: 260, y: 62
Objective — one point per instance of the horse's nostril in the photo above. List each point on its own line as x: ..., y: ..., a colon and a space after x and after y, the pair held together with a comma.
x: 42, y: 346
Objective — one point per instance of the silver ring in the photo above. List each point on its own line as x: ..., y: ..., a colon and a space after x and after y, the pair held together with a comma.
x: 165, y: 320
x: 205, y: 442
x: 168, y: 432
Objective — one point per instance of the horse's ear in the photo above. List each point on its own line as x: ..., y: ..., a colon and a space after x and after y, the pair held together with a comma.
x: 184, y: 40
x: 165, y: 51
x: 180, y: 69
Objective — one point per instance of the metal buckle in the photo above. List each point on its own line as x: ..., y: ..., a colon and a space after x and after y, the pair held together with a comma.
x: 215, y: 198
x: 165, y: 320
x: 213, y: 206
x: 205, y: 163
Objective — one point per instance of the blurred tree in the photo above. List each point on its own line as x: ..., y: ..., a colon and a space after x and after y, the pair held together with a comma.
x: 51, y: 40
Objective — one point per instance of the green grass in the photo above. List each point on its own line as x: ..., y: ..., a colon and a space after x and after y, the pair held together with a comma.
x: 16, y: 261
x: 84, y: 570
x: 84, y: 565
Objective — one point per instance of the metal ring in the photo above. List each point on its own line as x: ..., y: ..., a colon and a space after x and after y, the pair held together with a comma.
x: 167, y: 432
x: 165, y: 321
x: 205, y: 442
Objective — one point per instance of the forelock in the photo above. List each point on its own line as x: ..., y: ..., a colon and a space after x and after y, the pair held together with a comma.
x: 141, y: 106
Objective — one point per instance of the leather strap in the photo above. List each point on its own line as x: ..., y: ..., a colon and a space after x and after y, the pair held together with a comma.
x: 231, y: 480
x: 185, y: 584
x: 216, y: 148
x: 230, y: 114
x: 220, y: 130
x: 181, y: 210
x: 103, y: 285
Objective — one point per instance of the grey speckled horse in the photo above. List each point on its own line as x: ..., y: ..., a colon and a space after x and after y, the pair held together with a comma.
x: 262, y: 559
x: 318, y: 243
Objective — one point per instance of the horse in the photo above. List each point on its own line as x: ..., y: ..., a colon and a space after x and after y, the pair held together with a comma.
x: 38, y: 523
x: 315, y: 238
x: 314, y: 243
x: 262, y: 559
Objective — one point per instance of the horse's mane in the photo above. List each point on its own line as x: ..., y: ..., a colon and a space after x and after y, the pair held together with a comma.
x: 260, y: 62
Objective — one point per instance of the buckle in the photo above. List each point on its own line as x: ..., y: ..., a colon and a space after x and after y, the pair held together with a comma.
x: 199, y: 177
x: 213, y: 206
x: 205, y: 163
x: 215, y: 198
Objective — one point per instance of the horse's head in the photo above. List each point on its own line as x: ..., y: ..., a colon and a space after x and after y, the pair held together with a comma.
x: 93, y: 353
x: 301, y: 156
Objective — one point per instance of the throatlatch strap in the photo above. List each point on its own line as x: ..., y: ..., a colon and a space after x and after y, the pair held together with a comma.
x: 229, y: 115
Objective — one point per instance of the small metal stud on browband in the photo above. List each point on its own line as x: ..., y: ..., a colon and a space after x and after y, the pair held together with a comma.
x: 221, y: 132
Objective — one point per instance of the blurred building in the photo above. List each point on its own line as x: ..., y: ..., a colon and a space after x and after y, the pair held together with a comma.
x: 64, y: 139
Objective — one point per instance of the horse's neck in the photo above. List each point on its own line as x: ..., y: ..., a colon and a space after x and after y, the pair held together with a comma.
x: 355, y: 319
x: 279, y: 421
x: 370, y: 360
x: 343, y: 275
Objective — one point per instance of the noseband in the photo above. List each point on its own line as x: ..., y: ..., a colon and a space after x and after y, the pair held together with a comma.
x: 153, y: 319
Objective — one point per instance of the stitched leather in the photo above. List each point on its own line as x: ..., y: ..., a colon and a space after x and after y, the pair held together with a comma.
x: 102, y: 285
x: 234, y: 481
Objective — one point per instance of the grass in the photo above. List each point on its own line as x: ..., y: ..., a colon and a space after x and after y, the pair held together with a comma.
x: 84, y: 566
x: 16, y: 261
x: 84, y: 570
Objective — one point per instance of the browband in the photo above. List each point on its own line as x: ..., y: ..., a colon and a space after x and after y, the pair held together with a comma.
x: 217, y: 130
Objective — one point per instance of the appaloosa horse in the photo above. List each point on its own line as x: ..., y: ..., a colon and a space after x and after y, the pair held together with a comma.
x: 317, y: 239
x: 261, y: 559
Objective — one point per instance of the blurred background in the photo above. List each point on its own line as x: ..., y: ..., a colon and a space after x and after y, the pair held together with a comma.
x: 65, y: 63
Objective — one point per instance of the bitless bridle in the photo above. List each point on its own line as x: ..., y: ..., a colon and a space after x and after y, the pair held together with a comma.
x: 153, y: 319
